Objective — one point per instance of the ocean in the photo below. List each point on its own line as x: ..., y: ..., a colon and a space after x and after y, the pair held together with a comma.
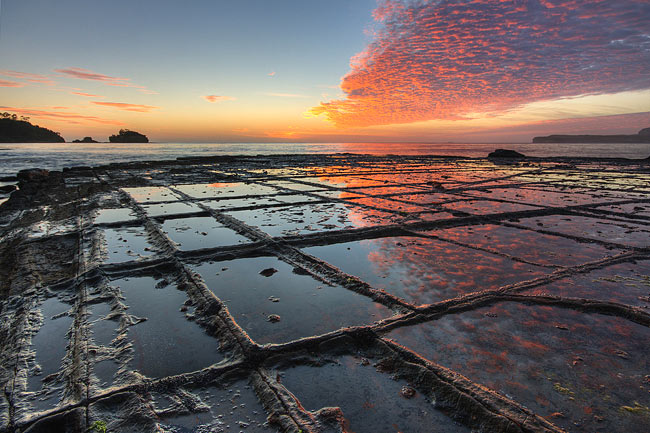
x: 54, y: 156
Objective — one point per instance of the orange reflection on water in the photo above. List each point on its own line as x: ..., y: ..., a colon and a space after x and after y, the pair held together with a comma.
x: 423, y: 270
x: 222, y: 185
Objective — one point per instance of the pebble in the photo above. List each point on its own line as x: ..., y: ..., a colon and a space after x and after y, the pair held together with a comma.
x: 268, y: 272
x: 407, y: 392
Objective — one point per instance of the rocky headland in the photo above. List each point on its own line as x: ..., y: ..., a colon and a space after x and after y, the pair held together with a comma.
x: 15, y: 130
x: 642, y: 137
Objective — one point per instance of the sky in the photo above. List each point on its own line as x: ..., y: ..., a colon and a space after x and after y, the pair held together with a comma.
x: 327, y: 71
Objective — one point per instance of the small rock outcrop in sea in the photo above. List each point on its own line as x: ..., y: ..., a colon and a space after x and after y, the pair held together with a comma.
x: 13, y: 130
x: 85, y: 140
x: 127, y: 136
x: 642, y: 137
x: 506, y: 153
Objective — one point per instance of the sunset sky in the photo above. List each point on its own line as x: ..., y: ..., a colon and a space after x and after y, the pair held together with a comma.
x: 327, y: 71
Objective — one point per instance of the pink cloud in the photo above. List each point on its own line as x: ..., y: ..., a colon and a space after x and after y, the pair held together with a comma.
x: 271, y: 74
x: 32, y: 78
x: 6, y: 83
x: 446, y: 59
x: 126, y: 107
x: 218, y: 98
x: 66, y: 117
x: 85, y: 74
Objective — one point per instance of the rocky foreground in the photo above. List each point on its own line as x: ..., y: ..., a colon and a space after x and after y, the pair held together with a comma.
x: 327, y: 293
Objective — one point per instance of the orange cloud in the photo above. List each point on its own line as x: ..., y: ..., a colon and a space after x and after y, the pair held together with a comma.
x: 218, y: 98
x: 445, y: 60
x: 66, y: 117
x: 126, y: 107
x: 5, y: 83
x: 89, y: 95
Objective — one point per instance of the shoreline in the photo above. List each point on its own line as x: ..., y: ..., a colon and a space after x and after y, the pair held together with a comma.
x: 7, y: 181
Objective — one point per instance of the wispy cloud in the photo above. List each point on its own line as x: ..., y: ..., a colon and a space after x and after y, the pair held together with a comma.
x: 286, y: 95
x: 85, y: 74
x: 89, y: 95
x: 32, y: 78
x: 6, y: 83
x: 218, y: 98
x: 66, y: 117
x: 126, y: 107
x: 445, y: 59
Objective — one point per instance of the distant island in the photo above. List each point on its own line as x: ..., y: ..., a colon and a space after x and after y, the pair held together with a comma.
x: 127, y: 136
x: 85, y: 140
x: 15, y: 130
x: 642, y: 137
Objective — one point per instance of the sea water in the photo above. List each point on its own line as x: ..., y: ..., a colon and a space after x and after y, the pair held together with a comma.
x: 55, y: 156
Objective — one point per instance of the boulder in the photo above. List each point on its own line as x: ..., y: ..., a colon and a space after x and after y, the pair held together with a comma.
x: 33, y: 174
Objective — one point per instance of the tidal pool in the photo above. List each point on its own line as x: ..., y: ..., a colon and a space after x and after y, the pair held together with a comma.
x: 294, y: 220
x: 151, y: 194
x: 224, y: 407
x: 304, y: 305
x: 126, y: 244
x: 50, y: 342
x: 627, y: 283
x: 200, y: 232
x: 529, y: 245
x: 625, y: 233
x: 424, y: 271
x: 225, y: 189
x: 117, y: 215
x: 165, y: 343
x: 584, y: 372
x: 371, y: 401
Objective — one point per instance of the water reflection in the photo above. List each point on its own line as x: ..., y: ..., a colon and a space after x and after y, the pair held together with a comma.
x: 548, y: 249
x: 313, y: 218
x: 303, y: 305
x: 626, y: 233
x: 164, y: 342
x: 424, y: 271
x: 627, y: 283
x: 371, y: 403
x: 579, y: 370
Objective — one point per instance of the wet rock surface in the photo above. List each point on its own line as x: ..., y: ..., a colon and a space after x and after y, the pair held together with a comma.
x: 327, y: 294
